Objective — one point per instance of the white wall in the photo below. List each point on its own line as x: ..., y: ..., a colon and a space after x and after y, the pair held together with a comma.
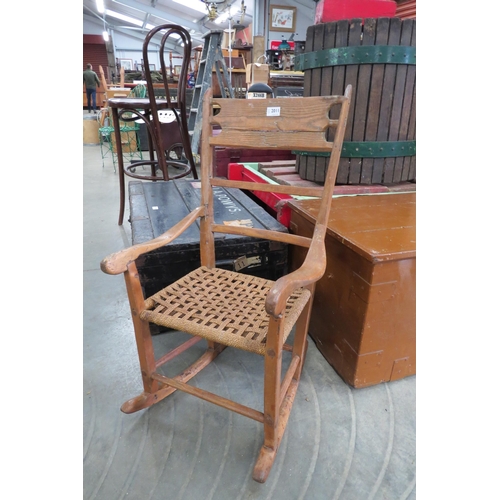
x: 305, y: 18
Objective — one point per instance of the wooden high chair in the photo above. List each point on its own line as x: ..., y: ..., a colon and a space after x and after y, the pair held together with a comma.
x: 226, y: 308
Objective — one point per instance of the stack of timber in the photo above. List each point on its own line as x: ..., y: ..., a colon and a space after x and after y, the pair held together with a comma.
x: 286, y: 173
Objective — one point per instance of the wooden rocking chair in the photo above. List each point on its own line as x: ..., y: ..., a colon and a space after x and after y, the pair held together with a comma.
x: 228, y: 308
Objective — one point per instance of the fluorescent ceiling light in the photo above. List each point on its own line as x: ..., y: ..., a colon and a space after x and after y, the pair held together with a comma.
x: 100, y: 6
x: 122, y: 17
x: 193, y: 4
x: 105, y: 36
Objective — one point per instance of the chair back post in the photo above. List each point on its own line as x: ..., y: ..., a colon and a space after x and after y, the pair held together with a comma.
x: 181, y: 92
x: 103, y: 79
x: 182, y: 120
x: 207, y: 244
x: 333, y: 166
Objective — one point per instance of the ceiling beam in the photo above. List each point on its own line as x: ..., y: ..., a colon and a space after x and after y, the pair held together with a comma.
x: 163, y: 15
x: 132, y: 33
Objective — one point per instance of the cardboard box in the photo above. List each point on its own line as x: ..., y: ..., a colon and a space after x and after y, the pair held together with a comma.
x: 257, y: 73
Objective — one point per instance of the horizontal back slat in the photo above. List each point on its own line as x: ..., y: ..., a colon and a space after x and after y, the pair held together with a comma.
x: 312, y: 141
x: 245, y: 122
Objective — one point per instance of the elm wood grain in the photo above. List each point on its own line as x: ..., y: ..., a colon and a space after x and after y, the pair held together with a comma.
x: 271, y: 188
x: 363, y: 317
x: 269, y: 309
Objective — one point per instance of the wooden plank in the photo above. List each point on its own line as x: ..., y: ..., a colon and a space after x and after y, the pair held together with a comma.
x: 362, y: 98
x: 410, y: 94
x: 325, y: 89
x: 339, y: 82
x: 387, y: 97
x: 276, y: 164
x: 397, y: 129
x: 276, y: 173
x: 381, y: 37
x: 278, y: 170
x: 351, y: 76
x: 294, y: 180
x: 302, y: 160
x: 409, y: 77
x: 319, y: 31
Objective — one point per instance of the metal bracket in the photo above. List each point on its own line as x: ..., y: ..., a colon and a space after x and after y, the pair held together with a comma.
x: 362, y: 54
x: 371, y: 149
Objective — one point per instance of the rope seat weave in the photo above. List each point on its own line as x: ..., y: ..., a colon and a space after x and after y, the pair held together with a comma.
x: 222, y: 306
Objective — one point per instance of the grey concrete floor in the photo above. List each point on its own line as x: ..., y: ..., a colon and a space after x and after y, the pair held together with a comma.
x: 340, y: 443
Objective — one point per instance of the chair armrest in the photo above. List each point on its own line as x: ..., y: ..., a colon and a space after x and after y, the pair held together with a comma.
x: 117, y: 262
x: 311, y: 270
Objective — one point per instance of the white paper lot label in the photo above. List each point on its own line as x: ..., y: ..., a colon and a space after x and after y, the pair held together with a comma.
x: 256, y: 95
x: 273, y: 111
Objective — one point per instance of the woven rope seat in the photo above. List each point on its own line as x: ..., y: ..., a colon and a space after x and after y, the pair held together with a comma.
x: 222, y: 306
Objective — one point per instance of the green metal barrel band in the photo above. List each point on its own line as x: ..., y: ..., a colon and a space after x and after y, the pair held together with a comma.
x: 369, y: 54
x: 371, y: 149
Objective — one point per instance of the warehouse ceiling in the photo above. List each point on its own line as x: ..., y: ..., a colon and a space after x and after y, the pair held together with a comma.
x: 136, y: 17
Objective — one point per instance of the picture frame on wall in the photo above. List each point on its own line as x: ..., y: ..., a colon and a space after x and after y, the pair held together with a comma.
x: 126, y: 64
x: 282, y: 18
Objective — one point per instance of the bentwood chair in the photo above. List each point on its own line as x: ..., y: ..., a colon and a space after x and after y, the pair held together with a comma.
x: 226, y: 308
x: 146, y: 110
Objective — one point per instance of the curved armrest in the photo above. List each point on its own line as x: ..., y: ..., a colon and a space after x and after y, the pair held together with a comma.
x: 311, y: 270
x: 117, y: 263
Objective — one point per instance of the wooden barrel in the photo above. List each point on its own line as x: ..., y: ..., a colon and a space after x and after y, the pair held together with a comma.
x: 377, y: 57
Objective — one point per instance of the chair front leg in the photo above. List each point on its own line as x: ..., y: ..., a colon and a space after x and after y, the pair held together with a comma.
x: 301, y: 330
x: 272, y: 385
x: 143, y: 340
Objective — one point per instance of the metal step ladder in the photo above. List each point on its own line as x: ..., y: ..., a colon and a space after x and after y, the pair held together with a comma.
x: 211, y: 56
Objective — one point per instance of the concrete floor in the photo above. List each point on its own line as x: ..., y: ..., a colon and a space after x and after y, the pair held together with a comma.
x: 341, y: 443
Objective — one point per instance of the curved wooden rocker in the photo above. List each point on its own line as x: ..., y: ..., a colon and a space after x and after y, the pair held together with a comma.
x: 226, y: 308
